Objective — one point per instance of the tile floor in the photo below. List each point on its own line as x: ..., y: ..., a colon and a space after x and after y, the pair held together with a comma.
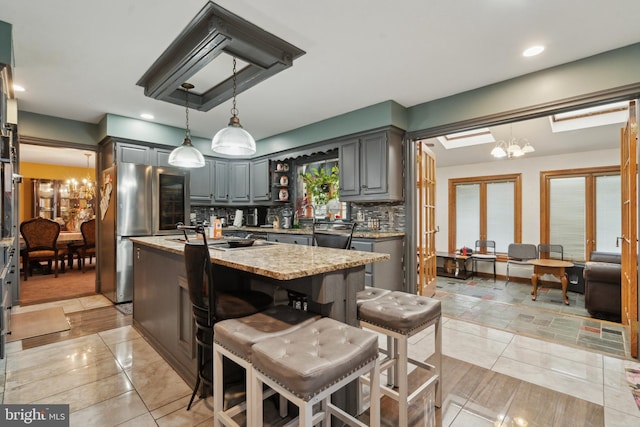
x: 115, y: 378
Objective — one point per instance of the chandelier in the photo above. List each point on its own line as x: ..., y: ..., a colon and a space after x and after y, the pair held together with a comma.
x: 512, y: 148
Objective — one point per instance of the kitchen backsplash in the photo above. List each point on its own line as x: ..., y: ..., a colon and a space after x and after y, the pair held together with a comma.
x: 385, y: 217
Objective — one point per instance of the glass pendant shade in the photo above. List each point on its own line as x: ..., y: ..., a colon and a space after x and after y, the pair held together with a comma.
x: 186, y: 156
x: 233, y: 140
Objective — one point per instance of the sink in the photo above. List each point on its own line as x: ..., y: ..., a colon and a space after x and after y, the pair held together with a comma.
x: 224, y: 246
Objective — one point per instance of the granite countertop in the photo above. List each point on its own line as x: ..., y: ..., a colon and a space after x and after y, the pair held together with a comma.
x: 363, y: 234
x: 278, y: 260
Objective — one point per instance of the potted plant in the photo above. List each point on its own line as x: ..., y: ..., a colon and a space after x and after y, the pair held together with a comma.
x: 322, y: 186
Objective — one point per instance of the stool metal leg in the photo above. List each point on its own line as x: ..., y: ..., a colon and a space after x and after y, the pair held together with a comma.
x: 402, y: 368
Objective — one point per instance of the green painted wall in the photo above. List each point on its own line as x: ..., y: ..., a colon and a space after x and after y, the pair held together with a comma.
x: 56, y: 129
x: 601, y: 72
x: 6, y: 46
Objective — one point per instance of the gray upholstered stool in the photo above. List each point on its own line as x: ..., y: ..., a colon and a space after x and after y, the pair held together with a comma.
x: 234, y: 339
x: 370, y: 294
x: 308, y: 365
x: 399, y: 316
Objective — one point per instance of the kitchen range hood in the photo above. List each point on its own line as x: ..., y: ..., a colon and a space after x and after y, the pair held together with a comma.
x: 215, y: 30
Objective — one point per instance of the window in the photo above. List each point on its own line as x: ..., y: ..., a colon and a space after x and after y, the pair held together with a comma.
x: 485, y: 208
x: 581, y: 210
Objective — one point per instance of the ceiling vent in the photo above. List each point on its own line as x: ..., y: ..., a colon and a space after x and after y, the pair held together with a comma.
x: 215, y: 30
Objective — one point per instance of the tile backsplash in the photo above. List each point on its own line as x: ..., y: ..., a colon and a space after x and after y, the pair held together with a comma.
x: 387, y: 216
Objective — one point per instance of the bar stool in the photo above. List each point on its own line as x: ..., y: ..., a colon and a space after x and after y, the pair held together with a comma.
x: 369, y: 294
x: 399, y: 316
x: 234, y: 339
x: 211, y: 305
x: 308, y: 365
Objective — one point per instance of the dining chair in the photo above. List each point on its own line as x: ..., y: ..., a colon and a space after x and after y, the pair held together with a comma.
x: 484, y: 251
x: 211, y: 305
x: 546, y: 250
x: 41, y: 244
x: 88, y: 245
x: 519, y: 254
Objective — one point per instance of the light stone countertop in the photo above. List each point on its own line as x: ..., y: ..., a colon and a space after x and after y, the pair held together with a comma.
x: 361, y: 234
x: 279, y: 261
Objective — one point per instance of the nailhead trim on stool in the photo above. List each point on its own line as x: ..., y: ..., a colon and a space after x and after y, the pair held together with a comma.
x: 399, y: 316
x: 308, y: 365
x: 234, y: 339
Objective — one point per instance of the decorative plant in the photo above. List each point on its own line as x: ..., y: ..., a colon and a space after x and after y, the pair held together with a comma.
x: 321, y: 185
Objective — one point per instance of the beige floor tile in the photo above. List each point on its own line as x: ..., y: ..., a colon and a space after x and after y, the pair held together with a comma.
x: 60, y: 382
x: 145, y: 420
x: 110, y: 412
x: 470, y: 348
x: 613, y: 418
x: 559, y: 350
x: 621, y: 399
x: 479, y: 330
x: 95, y: 301
x: 562, y: 383
x: 157, y: 383
x: 181, y: 404
x: 201, y: 412
x: 133, y: 353
x: 118, y: 335
x: 93, y: 393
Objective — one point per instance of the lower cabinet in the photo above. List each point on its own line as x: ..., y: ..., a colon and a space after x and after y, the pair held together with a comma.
x: 384, y: 274
x: 296, y: 239
x: 162, y: 308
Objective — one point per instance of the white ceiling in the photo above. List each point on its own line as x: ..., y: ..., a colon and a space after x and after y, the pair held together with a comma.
x: 80, y: 59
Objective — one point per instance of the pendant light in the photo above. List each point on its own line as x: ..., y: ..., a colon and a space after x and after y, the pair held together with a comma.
x: 186, y: 155
x: 233, y: 140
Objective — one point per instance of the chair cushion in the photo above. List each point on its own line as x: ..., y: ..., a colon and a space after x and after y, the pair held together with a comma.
x: 41, y: 254
x: 400, y: 311
x: 238, y: 335
x: 369, y: 294
x: 314, y: 357
x: 488, y: 257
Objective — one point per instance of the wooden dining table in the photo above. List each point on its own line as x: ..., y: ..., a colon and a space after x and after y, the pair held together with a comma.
x: 556, y: 268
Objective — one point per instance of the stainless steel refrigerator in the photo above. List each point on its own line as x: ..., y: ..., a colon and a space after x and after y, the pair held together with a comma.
x: 135, y: 200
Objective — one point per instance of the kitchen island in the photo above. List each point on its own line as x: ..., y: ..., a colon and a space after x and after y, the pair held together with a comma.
x: 162, y: 310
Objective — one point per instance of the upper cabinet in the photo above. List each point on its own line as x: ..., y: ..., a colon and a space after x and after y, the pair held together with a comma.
x: 131, y: 153
x: 239, y: 184
x: 371, y: 167
x: 221, y: 181
x: 260, y: 182
x: 202, y: 183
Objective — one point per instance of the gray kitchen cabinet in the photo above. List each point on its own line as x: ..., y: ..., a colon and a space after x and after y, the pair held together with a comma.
x: 371, y: 167
x: 201, y: 183
x: 296, y: 239
x: 163, y: 311
x: 221, y: 181
x: 239, y: 183
x: 260, y: 181
x: 130, y: 153
x: 161, y: 157
x: 385, y: 274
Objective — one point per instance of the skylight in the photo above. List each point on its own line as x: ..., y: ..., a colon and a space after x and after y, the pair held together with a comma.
x: 466, y: 138
x: 601, y: 115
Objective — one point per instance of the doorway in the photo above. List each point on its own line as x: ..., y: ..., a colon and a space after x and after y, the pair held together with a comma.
x: 58, y: 183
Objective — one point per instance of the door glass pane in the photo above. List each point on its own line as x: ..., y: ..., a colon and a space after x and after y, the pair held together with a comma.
x: 500, y: 214
x: 467, y: 215
x: 567, y: 216
x: 608, y: 215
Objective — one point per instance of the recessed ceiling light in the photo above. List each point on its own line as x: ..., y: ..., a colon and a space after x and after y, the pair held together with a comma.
x: 147, y: 116
x: 18, y: 88
x: 533, y: 51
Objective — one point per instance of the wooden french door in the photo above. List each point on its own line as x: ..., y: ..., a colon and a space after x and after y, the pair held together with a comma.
x: 628, y: 176
x: 426, y: 196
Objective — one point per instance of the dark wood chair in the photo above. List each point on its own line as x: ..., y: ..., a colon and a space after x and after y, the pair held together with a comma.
x: 211, y: 305
x: 41, y: 244
x: 88, y: 246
